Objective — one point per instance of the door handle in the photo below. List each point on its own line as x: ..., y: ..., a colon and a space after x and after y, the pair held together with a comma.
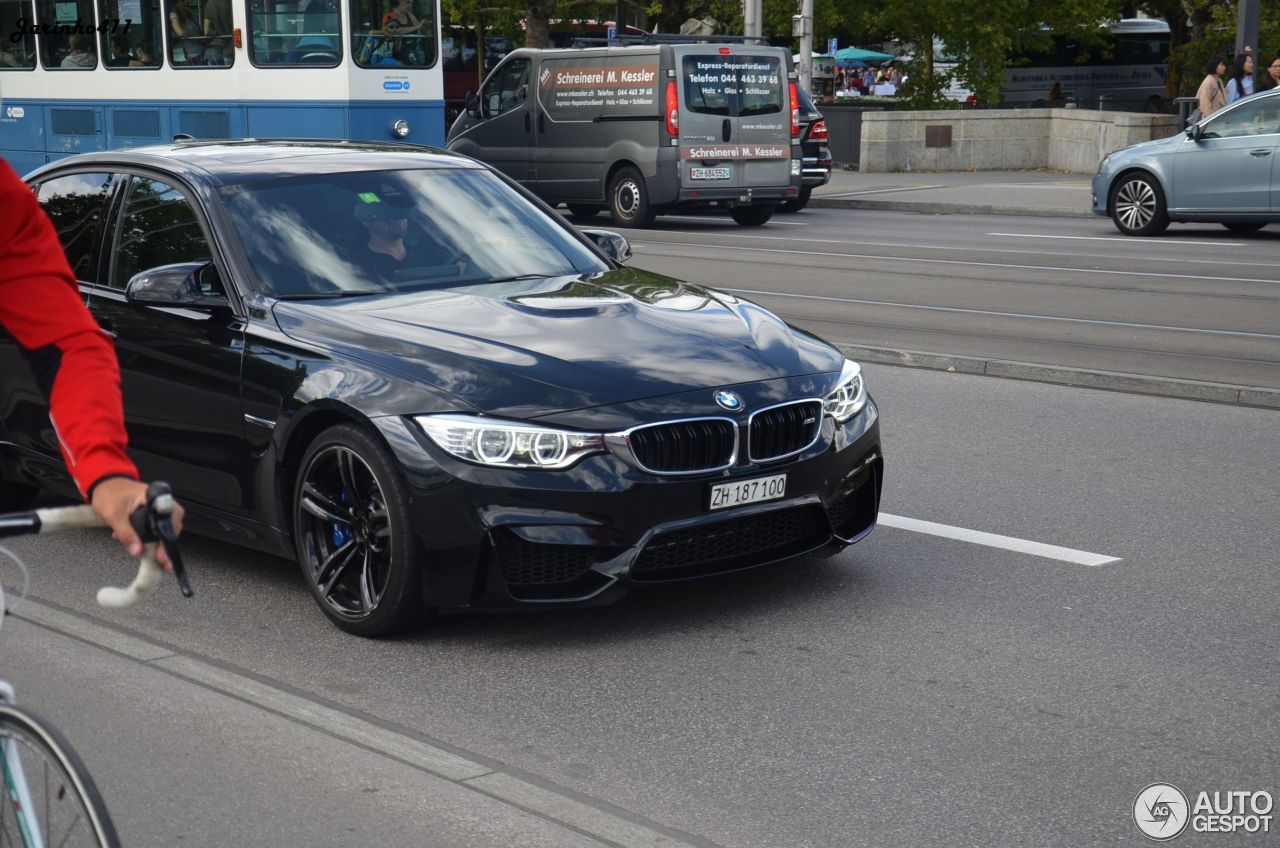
x: 527, y: 125
x: 108, y: 326
x: 1265, y: 151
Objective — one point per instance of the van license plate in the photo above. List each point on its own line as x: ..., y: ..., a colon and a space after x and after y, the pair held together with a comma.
x: 748, y: 491
x: 709, y: 174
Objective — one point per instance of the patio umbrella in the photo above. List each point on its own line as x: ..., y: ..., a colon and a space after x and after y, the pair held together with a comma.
x: 849, y: 54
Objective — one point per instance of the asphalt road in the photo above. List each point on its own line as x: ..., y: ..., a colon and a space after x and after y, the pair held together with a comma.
x: 913, y: 691
x: 1198, y: 304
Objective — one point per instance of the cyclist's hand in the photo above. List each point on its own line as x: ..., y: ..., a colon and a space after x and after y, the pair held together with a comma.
x: 115, y: 500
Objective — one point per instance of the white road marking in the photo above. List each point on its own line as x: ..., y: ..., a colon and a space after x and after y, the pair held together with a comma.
x: 992, y: 540
x: 965, y: 263
x: 1074, y: 254
x: 1125, y: 240
x: 962, y: 311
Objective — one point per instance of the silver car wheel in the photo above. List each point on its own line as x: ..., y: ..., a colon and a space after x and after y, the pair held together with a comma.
x: 627, y: 198
x: 1135, y: 204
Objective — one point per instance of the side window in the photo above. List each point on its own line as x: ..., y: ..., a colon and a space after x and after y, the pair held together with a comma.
x: 1259, y: 117
x: 393, y: 33
x: 77, y: 205
x: 158, y: 227
x: 508, y: 89
x: 287, y: 33
x: 18, y: 49
x: 130, y: 33
x: 200, y: 33
x: 66, y: 42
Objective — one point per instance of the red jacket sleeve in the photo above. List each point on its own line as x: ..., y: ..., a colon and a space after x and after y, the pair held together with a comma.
x: 73, y: 360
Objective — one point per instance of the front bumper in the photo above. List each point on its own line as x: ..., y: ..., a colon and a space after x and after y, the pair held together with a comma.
x: 503, y: 539
x: 1101, y: 193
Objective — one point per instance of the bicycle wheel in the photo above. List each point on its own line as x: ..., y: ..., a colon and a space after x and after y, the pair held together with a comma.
x: 62, y: 805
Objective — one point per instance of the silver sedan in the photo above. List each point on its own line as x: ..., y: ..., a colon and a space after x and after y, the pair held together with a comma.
x: 1220, y: 170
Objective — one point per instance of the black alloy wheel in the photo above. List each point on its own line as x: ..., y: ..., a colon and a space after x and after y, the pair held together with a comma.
x: 1138, y: 205
x: 352, y: 534
x: 1244, y: 226
x: 629, y: 199
x: 753, y: 216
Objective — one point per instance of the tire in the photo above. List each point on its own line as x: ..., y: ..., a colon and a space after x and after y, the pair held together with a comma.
x: 583, y: 210
x: 1137, y: 205
x: 798, y: 203
x: 354, y: 536
x: 629, y: 199
x: 1244, y: 226
x: 752, y: 216
x: 67, y: 803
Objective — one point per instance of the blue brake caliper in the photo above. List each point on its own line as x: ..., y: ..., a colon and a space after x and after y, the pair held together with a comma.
x: 341, y: 532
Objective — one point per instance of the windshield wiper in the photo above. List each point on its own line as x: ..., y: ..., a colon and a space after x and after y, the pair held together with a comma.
x: 519, y: 277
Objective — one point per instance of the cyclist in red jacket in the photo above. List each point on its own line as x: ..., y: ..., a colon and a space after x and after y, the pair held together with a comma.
x: 73, y: 360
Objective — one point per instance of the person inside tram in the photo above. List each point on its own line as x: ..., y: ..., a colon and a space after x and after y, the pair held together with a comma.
x: 401, y: 21
x: 143, y: 56
x: 217, y: 28
x: 80, y: 56
x: 186, y: 32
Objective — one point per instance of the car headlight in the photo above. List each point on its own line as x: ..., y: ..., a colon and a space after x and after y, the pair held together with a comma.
x: 508, y: 444
x: 850, y: 394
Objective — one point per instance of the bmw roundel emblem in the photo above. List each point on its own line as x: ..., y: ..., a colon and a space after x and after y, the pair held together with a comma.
x: 729, y: 400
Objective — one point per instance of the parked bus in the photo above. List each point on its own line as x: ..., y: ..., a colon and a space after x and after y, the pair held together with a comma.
x: 1126, y: 72
x: 84, y: 75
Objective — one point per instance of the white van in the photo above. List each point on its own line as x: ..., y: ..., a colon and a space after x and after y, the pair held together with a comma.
x: 642, y: 130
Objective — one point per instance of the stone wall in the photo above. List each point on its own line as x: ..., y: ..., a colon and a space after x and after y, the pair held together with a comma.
x: 1002, y: 139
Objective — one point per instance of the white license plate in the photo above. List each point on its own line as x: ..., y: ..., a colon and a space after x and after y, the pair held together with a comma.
x: 748, y: 491
x: 709, y: 173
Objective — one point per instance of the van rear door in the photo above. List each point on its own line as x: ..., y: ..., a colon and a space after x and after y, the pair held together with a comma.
x: 734, y: 116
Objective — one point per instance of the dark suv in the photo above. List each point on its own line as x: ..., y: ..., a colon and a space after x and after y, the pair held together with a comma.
x: 817, y: 156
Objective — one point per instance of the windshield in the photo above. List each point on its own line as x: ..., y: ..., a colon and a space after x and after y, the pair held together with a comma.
x: 334, y: 235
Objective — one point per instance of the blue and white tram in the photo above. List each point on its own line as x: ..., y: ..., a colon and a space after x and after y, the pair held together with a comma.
x: 84, y: 75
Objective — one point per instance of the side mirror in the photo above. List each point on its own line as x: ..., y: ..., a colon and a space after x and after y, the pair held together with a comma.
x: 473, y: 104
x: 192, y: 284
x: 611, y: 244
x: 1193, y: 132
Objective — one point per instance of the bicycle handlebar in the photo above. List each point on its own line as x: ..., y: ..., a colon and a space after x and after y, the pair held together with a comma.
x: 153, y: 524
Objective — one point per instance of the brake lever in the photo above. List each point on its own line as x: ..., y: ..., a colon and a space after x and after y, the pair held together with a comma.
x: 155, y: 523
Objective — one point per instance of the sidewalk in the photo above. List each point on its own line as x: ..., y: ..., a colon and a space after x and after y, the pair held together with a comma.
x: 1024, y: 193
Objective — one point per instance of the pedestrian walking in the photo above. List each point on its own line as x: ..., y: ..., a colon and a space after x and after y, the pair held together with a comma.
x: 1241, y: 82
x: 1211, y: 94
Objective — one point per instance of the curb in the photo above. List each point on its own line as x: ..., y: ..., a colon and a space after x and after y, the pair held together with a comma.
x: 925, y: 208
x: 1079, y: 377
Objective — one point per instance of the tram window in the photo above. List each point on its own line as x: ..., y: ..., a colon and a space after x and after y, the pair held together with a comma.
x: 76, y: 204
x: 18, y: 51
x: 190, y: 44
x: 73, y: 48
x: 285, y: 33
x: 129, y: 41
x: 158, y: 227
x: 397, y: 38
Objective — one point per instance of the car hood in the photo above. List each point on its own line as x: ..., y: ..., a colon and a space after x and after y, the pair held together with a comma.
x: 1152, y: 146
x: 536, y: 347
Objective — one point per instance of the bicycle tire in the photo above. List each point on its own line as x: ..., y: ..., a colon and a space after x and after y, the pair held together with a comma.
x: 60, y: 786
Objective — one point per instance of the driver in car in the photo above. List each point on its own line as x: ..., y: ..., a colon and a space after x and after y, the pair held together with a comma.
x: 392, y: 248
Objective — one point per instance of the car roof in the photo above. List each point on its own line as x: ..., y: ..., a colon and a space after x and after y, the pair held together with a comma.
x: 242, y: 160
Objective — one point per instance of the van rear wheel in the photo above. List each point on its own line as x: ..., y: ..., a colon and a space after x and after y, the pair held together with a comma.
x: 629, y: 200
x: 752, y: 216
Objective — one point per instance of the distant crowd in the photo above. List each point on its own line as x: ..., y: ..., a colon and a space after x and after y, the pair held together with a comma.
x: 854, y: 82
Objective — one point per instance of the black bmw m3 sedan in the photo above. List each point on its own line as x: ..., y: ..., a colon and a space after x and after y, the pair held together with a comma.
x: 401, y: 369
